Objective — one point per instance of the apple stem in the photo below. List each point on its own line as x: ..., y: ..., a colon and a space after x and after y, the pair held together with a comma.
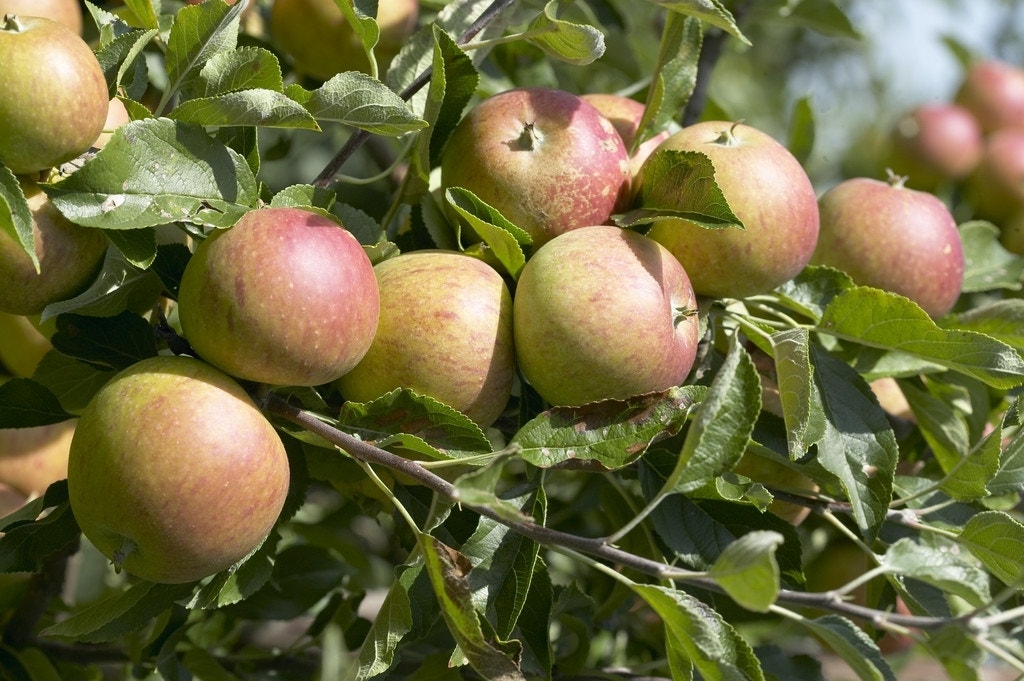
x: 895, y: 180
x: 527, y: 138
x: 728, y: 137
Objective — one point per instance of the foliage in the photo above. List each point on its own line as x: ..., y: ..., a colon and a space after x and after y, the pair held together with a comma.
x: 593, y: 542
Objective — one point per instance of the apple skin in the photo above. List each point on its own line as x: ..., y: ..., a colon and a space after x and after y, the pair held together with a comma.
x: 315, y: 34
x: 69, y: 258
x: 67, y: 12
x: 53, y: 94
x: 603, y: 313
x: 117, y: 115
x: 174, y: 473
x: 286, y: 296
x: 993, y: 91
x: 625, y: 114
x: 31, y: 459
x: 894, y: 238
x: 769, y: 192
x: 935, y: 143
x: 544, y: 158
x: 995, y: 190
x: 22, y: 345
x: 445, y: 331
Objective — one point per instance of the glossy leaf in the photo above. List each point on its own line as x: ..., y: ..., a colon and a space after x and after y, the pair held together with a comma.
x: 997, y: 540
x: 681, y: 184
x: 357, y: 100
x: 748, y: 572
x: 573, y: 43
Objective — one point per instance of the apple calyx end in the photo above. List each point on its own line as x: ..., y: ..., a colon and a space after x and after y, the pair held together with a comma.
x: 681, y: 314
x: 527, y: 140
x: 12, y: 23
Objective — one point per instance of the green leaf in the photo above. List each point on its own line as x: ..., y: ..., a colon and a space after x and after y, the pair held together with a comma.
x: 394, y: 620
x: 504, y: 239
x: 448, y: 571
x: 360, y: 17
x: 72, y: 382
x: 198, y: 34
x: 120, y: 614
x: 748, y: 571
x: 404, y: 419
x: 1000, y: 319
x: 810, y: 292
x: 891, y: 322
x: 823, y: 16
x: 802, y: 410
x: 39, y: 529
x: 997, y: 540
x: 255, y: 107
x: 358, y: 100
x: 801, y: 130
x: 851, y: 644
x: 25, y: 403
x: 143, y: 11
x: 155, y: 172
x: 15, y: 215
x: 122, y: 57
x: 573, y: 43
x: 106, y: 342
x: 246, y: 68
x: 681, y: 185
x: 697, y: 637
x: 710, y: 11
x: 722, y: 424
x: 121, y: 284
x: 240, y: 580
x: 943, y: 567
x: 674, y: 76
x: 606, y: 435
x: 858, y: 445
x: 988, y: 266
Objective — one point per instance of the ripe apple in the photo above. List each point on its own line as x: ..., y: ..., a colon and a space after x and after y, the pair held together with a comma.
x: 22, y: 344
x: 544, y: 158
x: 625, y: 114
x: 315, y: 34
x: 67, y: 12
x: 993, y: 91
x: 285, y: 296
x: 935, y: 143
x: 777, y: 475
x: 769, y: 192
x: 995, y: 190
x: 117, y: 115
x: 445, y: 331
x: 603, y: 313
x: 53, y: 94
x: 31, y: 459
x: 69, y: 258
x: 894, y: 238
x: 174, y: 473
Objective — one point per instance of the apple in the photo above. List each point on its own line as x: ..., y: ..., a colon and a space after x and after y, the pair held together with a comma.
x: 544, y: 158
x: 67, y: 12
x: 894, y: 238
x: 603, y: 313
x: 117, y: 115
x: 286, y: 296
x: 935, y: 143
x: 53, y: 94
x: 778, y: 475
x: 22, y: 344
x: 766, y: 188
x: 69, y: 258
x: 993, y: 91
x: 995, y: 190
x: 174, y: 473
x: 625, y: 114
x: 31, y: 459
x: 445, y: 331
x: 317, y: 37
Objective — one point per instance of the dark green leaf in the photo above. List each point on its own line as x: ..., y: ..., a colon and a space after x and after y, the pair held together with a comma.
x: 606, y: 435
x: 31, y: 536
x: 119, y: 614
x: 358, y: 100
x: 72, y: 382
x: 681, y: 185
x: 121, y: 284
x: 851, y: 644
x: 25, y: 403
x: 106, y: 342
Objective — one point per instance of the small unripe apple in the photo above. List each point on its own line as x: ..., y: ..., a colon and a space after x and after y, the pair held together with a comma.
x: 625, y: 114
x: 316, y: 35
x: 995, y: 190
x: 993, y: 91
x: 67, y: 12
x: 286, y: 296
x: 69, y: 258
x: 767, y: 189
x: 174, y: 473
x: 31, y: 459
x: 935, y: 143
x: 445, y: 331
x: 894, y: 238
x: 22, y: 344
x: 53, y: 94
x: 603, y: 313
x: 544, y: 158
